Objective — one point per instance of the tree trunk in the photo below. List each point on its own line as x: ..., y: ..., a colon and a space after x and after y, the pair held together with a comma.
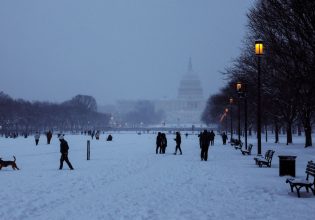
x: 289, y: 133
x: 308, y: 135
x: 266, y: 133
x: 276, y: 133
x: 299, y: 129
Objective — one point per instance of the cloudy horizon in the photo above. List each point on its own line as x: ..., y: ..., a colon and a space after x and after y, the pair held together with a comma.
x: 116, y: 50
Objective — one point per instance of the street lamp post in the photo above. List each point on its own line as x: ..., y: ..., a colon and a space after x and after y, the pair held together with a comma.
x: 241, y: 91
x: 231, y: 102
x: 245, y: 106
x: 226, y: 122
x: 259, y: 51
x: 238, y: 88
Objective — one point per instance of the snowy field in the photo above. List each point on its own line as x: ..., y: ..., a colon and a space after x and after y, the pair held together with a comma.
x: 125, y: 179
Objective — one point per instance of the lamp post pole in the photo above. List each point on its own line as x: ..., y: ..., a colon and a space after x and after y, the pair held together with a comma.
x: 238, y: 90
x: 259, y: 53
x: 245, y: 106
x: 239, y: 120
x: 231, y: 102
x: 241, y: 91
x: 226, y: 121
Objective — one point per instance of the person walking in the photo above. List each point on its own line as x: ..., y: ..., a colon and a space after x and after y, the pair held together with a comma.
x: 212, y: 135
x: 224, y: 138
x: 64, y: 147
x: 178, y: 140
x: 97, y: 135
x: 158, y: 143
x: 37, y: 135
x: 48, y: 136
x: 200, y: 139
x: 163, y: 143
x: 205, y: 142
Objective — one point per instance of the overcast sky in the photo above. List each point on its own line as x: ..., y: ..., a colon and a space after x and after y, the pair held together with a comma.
x: 115, y: 49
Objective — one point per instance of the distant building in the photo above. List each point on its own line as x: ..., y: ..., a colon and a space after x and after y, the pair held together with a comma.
x: 190, y: 102
x: 185, y: 109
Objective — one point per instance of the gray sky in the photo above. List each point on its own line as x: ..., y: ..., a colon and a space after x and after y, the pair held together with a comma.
x: 115, y: 49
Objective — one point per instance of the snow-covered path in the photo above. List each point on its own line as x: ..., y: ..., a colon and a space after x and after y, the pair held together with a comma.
x: 125, y: 179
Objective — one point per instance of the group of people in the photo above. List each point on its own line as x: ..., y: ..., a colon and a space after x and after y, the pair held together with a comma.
x: 161, y: 143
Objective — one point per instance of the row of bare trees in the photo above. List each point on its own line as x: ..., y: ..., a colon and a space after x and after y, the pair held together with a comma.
x: 287, y: 28
x: 79, y: 113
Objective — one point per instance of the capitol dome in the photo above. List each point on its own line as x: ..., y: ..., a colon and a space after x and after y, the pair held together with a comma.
x: 190, y: 85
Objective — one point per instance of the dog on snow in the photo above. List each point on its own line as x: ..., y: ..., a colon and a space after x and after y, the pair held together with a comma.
x: 8, y: 163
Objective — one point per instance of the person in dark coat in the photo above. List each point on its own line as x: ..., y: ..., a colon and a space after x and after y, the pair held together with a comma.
x: 158, y: 143
x: 200, y: 139
x: 212, y: 135
x: 64, y: 147
x: 48, y: 136
x: 224, y: 138
x: 109, y: 137
x: 178, y: 140
x: 163, y: 143
x: 205, y: 142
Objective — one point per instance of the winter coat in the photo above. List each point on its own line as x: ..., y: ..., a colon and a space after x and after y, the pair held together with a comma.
x: 64, y: 147
x: 178, y: 139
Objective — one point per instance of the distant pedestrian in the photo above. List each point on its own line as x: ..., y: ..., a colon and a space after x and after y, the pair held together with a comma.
x: 97, y: 135
x: 178, y: 140
x: 64, y: 147
x: 186, y: 135
x: 109, y: 138
x: 224, y: 138
x: 48, y: 136
x: 205, y: 142
x: 163, y: 143
x: 37, y: 135
x: 158, y: 143
x: 200, y: 139
x: 211, y: 135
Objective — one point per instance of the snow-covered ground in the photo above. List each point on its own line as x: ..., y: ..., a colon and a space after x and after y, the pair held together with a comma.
x: 125, y: 179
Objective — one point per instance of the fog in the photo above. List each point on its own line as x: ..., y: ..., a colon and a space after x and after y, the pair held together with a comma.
x: 115, y: 49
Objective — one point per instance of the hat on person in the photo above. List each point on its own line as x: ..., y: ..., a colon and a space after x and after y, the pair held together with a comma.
x: 61, y: 137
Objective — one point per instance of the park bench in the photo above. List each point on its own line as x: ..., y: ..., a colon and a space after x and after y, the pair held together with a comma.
x: 237, y: 144
x: 248, y: 151
x: 233, y: 141
x: 299, y: 183
x: 261, y: 157
x: 260, y: 161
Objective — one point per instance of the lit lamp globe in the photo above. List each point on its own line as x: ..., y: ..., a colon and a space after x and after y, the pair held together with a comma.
x: 259, y: 47
x: 239, y: 87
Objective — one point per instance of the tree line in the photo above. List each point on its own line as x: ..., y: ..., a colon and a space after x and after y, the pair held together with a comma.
x: 79, y: 113
x: 287, y: 28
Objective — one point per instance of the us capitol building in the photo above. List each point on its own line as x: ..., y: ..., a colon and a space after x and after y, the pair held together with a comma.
x: 190, y: 102
x: 186, y: 109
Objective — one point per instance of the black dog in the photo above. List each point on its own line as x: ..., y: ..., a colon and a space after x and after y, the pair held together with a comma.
x: 8, y: 163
